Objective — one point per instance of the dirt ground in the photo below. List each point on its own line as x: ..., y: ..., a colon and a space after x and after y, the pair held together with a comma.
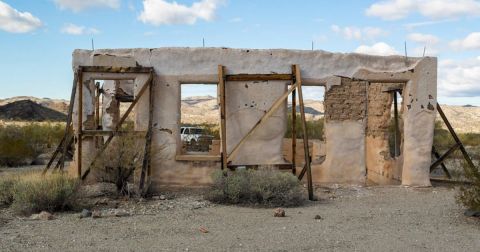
x: 352, y: 219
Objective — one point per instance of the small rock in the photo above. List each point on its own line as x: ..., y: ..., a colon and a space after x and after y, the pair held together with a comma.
x: 162, y: 197
x: 44, y: 215
x: 121, y: 213
x: 85, y: 214
x: 96, y: 214
x: 155, y: 197
x: 318, y: 217
x: 279, y: 213
x: 203, y: 230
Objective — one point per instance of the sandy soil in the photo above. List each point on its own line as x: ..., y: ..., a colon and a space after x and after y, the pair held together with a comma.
x: 353, y: 219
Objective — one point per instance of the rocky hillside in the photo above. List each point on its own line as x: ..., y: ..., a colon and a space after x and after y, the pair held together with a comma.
x: 27, y: 110
x: 204, y: 109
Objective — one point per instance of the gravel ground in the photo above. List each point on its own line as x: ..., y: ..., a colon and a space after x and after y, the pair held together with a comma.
x: 352, y: 219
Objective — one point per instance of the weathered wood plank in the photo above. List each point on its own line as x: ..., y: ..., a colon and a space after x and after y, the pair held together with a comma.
x: 223, y: 119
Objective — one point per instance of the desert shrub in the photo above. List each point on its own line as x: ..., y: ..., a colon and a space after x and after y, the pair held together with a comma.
x: 7, y: 184
x: 260, y: 187
x: 19, y: 145
x: 33, y: 192
x: 118, y: 163
x: 469, y: 195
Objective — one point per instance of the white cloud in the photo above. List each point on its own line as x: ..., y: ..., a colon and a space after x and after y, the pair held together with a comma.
x: 160, y: 12
x: 78, y: 30
x: 380, y: 49
x: 352, y: 32
x: 80, y: 5
x: 398, y: 9
x: 12, y: 20
x: 423, y: 38
x: 459, y: 78
x: 471, y: 42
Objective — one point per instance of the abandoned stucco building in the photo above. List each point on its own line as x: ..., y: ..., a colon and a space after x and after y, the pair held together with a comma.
x: 358, y: 101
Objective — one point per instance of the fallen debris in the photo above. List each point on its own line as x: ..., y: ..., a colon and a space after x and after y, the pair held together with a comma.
x: 472, y: 213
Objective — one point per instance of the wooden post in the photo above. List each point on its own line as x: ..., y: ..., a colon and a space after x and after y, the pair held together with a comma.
x: 148, y: 140
x: 298, y: 80
x: 397, y: 129
x: 294, y: 131
x: 80, y: 123
x: 223, y: 128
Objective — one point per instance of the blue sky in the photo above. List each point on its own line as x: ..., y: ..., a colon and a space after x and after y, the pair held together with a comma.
x: 38, y: 37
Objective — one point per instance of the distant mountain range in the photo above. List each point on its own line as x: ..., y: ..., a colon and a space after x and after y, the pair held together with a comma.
x: 204, y: 109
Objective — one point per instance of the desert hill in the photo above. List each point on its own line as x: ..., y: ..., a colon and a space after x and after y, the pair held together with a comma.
x: 27, y: 110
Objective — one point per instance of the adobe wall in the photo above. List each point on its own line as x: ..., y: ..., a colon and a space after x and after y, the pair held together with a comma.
x: 351, y: 148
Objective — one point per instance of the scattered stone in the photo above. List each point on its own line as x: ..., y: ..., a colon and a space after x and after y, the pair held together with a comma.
x: 96, y: 214
x: 203, y: 230
x: 279, y: 213
x: 155, y: 197
x: 472, y: 213
x: 85, y: 214
x: 121, y: 213
x: 162, y: 197
x: 44, y: 215
x: 318, y: 217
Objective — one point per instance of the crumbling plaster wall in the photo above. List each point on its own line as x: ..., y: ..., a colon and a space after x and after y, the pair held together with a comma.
x: 174, y: 66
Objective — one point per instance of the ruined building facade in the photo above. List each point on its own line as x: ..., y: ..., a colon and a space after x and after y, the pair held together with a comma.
x: 357, y: 102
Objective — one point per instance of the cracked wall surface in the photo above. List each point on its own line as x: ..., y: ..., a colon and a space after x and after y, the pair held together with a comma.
x: 346, y: 129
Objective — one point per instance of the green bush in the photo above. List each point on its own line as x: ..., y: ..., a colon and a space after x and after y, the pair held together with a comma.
x: 469, y: 195
x: 20, y: 145
x: 262, y: 187
x: 33, y: 192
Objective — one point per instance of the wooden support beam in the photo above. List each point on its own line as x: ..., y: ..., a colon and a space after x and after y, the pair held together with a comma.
x: 457, y: 140
x: 258, y: 77
x: 148, y: 141
x: 54, y: 156
x: 79, y: 123
x: 223, y: 119
x: 186, y: 157
x: 262, y: 120
x: 444, y: 168
x: 398, y: 137
x: 294, y: 131
x: 108, y: 69
x: 119, y: 125
x: 298, y: 81
x: 444, y: 156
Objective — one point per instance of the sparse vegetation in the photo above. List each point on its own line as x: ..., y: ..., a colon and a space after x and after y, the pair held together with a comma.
x: 31, y: 192
x: 262, y: 187
x: 469, y: 195
x: 20, y: 145
x: 120, y: 160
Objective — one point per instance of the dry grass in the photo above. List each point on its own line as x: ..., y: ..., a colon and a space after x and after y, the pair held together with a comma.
x: 32, y: 192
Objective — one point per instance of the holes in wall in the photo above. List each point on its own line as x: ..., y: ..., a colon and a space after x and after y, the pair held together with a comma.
x: 199, y: 120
